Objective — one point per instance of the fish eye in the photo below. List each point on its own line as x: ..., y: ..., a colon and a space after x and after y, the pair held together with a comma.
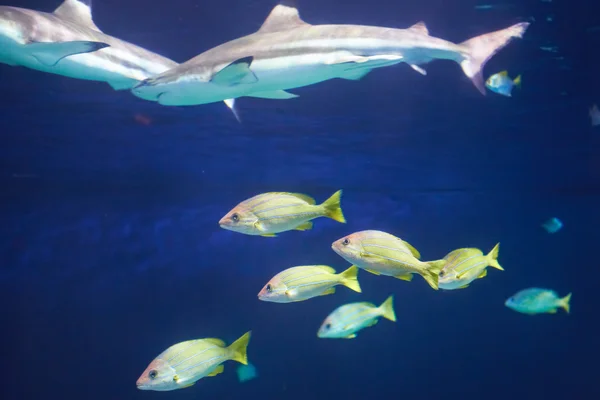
x: 327, y: 326
x: 235, y: 217
x: 442, y: 274
x: 152, y: 374
x: 346, y: 242
x: 269, y: 288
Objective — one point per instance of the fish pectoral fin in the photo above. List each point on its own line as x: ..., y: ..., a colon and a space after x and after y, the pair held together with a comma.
x: 236, y: 73
x: 405, y: 277
x: 373, y: 271
x: 217, y: 371
x: 291, y: 292
x: 328, y: 291
x: 304, y: 227
x: 483, y: 274
x: 269, y: 235
x: 50, y: 53
x: 418, y: 69
x: 274, y: 94
x: 355, y: 75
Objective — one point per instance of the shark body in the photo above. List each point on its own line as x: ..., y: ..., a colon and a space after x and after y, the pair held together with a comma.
x: 67, y: 42
x: 287, y: 53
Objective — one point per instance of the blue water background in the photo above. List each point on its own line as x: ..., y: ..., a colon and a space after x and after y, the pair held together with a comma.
x: 110, y: 248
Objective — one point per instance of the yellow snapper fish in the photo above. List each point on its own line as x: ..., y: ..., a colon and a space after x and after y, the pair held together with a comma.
x: 383, y: 254
x: 463, y: 266
x: 307, y: 281
x: 183, y: 364
x: 538, y: 301
x: 270, y: 213
x: 346, y: 320
x: 502, y: 84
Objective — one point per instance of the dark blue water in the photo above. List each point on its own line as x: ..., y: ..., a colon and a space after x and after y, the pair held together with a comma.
x: 111, y: 252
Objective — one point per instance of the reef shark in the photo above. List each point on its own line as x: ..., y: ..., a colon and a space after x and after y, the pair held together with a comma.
x: 286, y: 53
x: 67, y: 42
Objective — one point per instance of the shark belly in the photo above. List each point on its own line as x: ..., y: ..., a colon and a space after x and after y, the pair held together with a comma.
x: 86, y: 66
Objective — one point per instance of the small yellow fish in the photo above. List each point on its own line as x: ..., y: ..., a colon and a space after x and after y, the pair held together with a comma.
x: 383, y: 254
x: 346, y: 320
x: 463, y: 266
x: 307, y: 281
x: 182, y: 364
x: 538, y: 301
x: 502, y: 84
x: 270, y: 213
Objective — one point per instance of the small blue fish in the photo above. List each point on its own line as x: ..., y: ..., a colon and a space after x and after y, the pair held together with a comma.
x: 246, y: 372
x: 502, y: 84
x: 553, y: 225
x: 538, y: 301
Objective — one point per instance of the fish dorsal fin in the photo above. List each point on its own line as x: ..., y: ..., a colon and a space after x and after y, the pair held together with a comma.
x: 77, y: 11
x: 304, y: 197
x: 420, y: 27
x: 325, y: 268
x: 215, y: 341
x: 283, y: 17
x: 503, y: 73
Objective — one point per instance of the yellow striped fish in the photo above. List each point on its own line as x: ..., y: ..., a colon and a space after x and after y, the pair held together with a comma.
x: 181, y: 365
x: 270, y: 213
x: 307, y: 281
x: 463, y: 266
x: 383, y: 254
x: 346, y: 320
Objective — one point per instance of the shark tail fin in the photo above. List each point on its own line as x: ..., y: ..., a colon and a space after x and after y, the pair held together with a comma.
x: 481, y: 48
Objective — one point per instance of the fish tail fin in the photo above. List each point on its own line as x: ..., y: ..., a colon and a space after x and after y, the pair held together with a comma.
x: 387, y: 309
x: 432, y: 272
x: 481, y: 48
x: 350, y: 278
x: 493, y: 257
x: 565, y: 303
x: 333, y: 208
x: 517, y: 81
x: 239, y: 348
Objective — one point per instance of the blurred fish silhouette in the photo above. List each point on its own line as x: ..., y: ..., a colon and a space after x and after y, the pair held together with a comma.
x: 553, y: 225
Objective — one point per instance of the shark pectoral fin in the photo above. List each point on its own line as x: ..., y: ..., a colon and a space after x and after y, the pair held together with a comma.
x: 236, y: 73
x: 418, y: 69
x: 275, y: 94
x: 51, y: 53
x: 355, y: 75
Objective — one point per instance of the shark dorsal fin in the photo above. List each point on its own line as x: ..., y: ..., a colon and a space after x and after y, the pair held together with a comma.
x: 77, y: 11
x: 420, y: 27
x: 282, y: 18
